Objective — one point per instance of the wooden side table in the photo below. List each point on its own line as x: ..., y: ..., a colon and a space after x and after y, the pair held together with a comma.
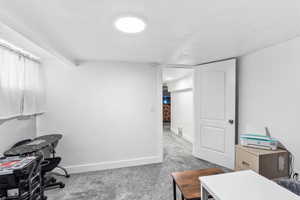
x: 189, y: 184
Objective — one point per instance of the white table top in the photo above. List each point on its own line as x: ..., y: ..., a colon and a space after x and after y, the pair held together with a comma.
x: 245, y: 185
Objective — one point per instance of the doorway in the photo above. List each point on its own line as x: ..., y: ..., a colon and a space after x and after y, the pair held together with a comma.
x: 178, y: 108
x: 166, y: 108
x: 207, y: 121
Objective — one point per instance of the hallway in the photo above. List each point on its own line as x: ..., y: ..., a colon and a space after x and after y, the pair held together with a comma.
x: 149, y: 182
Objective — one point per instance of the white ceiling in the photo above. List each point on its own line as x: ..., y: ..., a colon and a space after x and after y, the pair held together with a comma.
x: 178, y: 31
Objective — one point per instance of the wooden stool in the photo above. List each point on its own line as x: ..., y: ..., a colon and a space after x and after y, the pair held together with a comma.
x: 189, y: 184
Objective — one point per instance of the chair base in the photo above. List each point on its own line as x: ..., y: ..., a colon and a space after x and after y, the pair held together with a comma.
x: 51, y: 183
x: 54, y: 185
x: 66, y: 174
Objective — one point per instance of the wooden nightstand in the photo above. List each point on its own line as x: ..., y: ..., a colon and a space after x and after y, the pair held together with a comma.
x: 271, y: 164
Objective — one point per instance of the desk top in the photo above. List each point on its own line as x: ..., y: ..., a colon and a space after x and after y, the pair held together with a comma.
x: 246, y: 185
x: 8, y: 165
x: 188, y: 181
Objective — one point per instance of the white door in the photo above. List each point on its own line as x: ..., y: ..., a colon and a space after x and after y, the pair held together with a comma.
x: 214, y: 100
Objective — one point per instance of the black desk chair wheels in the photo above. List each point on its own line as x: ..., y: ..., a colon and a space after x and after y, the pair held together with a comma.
x: 48, y: 165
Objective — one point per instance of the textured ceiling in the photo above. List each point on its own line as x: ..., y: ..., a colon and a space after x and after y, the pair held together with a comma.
x: 178, y: 31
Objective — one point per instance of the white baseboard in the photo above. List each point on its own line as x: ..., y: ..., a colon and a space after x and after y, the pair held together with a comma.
x: 188, y: 138
x: 74, y: 169
x: 174, y: 131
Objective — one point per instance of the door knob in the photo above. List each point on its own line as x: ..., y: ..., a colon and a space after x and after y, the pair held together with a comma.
x: 230, y: 121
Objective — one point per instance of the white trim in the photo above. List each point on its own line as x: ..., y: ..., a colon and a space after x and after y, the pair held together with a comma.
x: 173, y: 131
x: 184, y: 136
x: 182, y: 90
x: 159, y: 111
x: 19, y: 51
x: 181, y: 85
x: 10, y: 117
x: 180, y: 78
x: 188, y: 138
x: 73, y: 169
x: 21, y: 116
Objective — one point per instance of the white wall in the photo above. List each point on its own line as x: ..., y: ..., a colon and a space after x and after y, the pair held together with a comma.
x: 184, y: 83
x: 14, y: 130
x: 182, y: 107
x: 108, y: 113
x: 269, y: 93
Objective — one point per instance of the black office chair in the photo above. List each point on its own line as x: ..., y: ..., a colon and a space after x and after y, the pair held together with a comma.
x: 21, y: 143
x: 48, y: 165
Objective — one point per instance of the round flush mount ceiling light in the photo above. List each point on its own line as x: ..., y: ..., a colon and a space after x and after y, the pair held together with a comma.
x: 130, y: 24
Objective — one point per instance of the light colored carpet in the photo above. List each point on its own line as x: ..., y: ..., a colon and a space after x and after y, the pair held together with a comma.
x: 149, y: 182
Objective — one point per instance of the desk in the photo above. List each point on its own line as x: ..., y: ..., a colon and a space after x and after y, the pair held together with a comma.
x: 245, y: 185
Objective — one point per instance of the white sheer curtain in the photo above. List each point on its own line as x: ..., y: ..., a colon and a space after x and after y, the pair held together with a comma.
x: 11, y: 83
x: 33, y: 88
x: 21, y: 85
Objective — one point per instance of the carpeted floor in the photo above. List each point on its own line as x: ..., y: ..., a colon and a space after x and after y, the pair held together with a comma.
x: 149, y: 182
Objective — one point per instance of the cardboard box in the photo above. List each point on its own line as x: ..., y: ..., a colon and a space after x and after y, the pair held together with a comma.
x: 268, y: 163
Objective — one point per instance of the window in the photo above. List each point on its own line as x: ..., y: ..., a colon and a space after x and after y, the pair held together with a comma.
x: 21, y: 85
